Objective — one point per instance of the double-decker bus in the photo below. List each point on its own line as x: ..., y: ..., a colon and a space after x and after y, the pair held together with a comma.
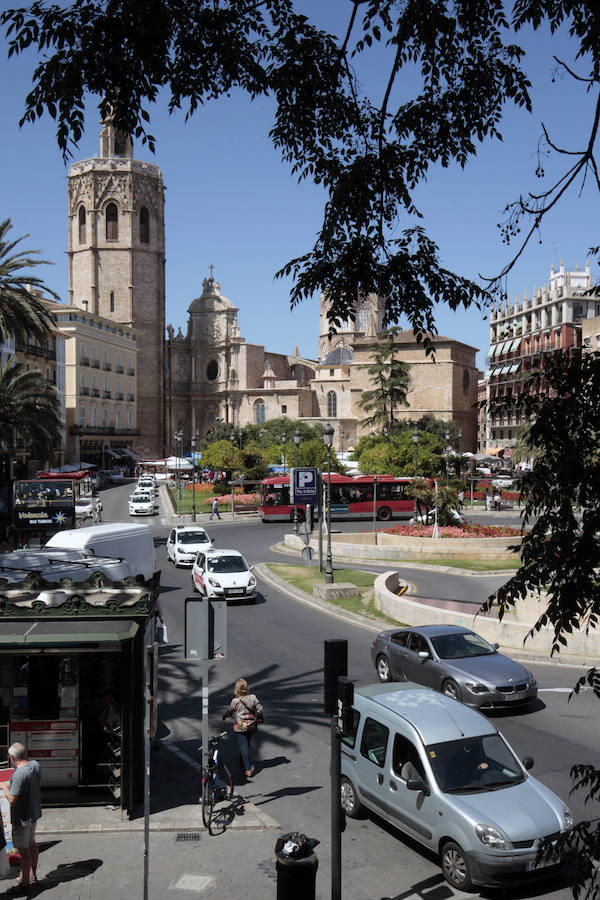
x: 44, y: 505
x: 384, y: 497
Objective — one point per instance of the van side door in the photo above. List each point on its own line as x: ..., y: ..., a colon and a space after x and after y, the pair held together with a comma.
x: 413, y: 812
x: 371, y: 764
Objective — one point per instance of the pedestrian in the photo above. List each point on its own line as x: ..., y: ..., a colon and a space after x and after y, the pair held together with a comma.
x: 497, y: 499
x: 247, y: 713
x: 488, y: 500
x: 24, y: 796
x: 98, y: 517
x: 214, y: 509
x: 461, y: 499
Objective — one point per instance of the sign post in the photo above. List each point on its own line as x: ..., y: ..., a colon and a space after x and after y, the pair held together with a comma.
x: 205, y: 639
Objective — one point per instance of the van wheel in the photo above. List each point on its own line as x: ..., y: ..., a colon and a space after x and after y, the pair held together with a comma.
x: 455, y: 867
x: 383, y: 668
x: 450, y: 689
x: 384, y: 514
x: 349, y: 799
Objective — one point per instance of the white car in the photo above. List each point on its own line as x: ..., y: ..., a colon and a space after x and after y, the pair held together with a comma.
x: 141, y: 505
x: 502, y: 481
x: 147, y: 484
x: 184, y: 544
x: 223, y: 575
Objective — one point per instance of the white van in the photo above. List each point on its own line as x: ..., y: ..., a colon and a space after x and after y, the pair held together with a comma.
x: 132, y: 543
x: 53, y: 565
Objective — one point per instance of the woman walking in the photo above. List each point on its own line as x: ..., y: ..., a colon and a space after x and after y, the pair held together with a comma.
x: 247, y: 714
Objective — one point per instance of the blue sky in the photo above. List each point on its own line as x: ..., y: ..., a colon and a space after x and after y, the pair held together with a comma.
x: 232, y: 203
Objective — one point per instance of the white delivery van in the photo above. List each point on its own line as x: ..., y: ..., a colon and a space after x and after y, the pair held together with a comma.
x: 53, y: 565
x: 132, y: 543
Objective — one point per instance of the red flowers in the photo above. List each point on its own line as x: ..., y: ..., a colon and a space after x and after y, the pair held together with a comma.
x: 456, y: 531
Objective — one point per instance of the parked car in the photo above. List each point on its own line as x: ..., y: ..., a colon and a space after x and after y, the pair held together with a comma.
x: 184, y: 544
x: 223, y: 575
x: 429, y: 518
x: 444, y: 775
x: 502, y: 481
x: 141, y: 505
x: 115, y: 476
x: 456, y: 661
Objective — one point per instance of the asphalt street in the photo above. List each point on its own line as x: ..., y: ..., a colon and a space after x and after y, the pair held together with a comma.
x: 277, y: 645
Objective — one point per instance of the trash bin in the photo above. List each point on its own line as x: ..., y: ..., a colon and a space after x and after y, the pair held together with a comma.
x: 296, y: 866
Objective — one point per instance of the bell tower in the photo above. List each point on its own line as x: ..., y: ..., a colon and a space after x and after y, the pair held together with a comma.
x: 116, y: 251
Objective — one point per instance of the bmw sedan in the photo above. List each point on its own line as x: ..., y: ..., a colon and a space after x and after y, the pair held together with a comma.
x: 223, y: 575
x: 184, y: 544
x: 455, y: 661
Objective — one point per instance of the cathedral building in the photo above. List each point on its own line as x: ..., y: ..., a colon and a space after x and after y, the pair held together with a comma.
x: 187, y: 382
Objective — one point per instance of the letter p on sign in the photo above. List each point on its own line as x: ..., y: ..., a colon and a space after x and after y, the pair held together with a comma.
x: 304, y: 479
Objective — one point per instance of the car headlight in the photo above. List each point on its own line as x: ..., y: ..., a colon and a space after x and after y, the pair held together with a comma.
x: 567, y: 817
x: 214, y: 582
x: 252, y: 582
x: 477, y: 688
x: 492, y: 837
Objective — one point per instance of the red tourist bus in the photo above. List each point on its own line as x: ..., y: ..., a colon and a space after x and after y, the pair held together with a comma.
x: 351, y: 498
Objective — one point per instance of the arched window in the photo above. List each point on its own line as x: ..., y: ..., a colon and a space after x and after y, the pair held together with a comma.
x: 112, y: 222
x: 144, y: 225
x: 259, y: 412
x: 82, y: 222
x: 332, y: 404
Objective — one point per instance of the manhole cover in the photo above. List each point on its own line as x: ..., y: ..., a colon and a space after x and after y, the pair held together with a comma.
x: 188, y: 836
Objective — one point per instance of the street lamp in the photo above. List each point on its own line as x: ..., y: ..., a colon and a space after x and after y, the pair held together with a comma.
x: 372, y: 436
x: 283, y: 441
x: 416, y: 443
x: 193, y: 444
x: 447, y: 436
x: 178, y: 436
x: 342, y: 436
x: 328, y: 438
x: 297, y: 439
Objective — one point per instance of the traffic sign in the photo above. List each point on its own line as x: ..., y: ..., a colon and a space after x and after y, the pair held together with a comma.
x: 304, y: 482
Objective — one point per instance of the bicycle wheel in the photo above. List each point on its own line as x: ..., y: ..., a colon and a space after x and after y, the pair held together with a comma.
x: 208, y: 798
x: 224, y: 783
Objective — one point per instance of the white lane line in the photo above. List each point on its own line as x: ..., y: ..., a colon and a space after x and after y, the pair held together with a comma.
x: 562, y: 690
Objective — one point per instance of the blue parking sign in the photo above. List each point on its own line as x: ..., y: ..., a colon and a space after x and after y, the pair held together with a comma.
x: 305, y: 485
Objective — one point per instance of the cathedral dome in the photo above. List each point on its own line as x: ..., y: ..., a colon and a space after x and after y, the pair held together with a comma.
x: 210, y: 298
x: 340, y: 356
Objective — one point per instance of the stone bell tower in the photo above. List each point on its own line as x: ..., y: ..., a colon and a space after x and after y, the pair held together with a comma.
x: 116, y: 250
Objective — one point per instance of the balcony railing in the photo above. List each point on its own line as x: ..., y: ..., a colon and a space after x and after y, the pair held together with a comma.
x: 84, y: 360
x: 118, y: 396
x: 84, y: 392
x: 95, y: 364
x: 107, y: 367
x: 101, y: 429
x: 131, y: 371
x: 107, y: 395
x: 130, y: 398
x: 95, y: 392
x: 119, y: 370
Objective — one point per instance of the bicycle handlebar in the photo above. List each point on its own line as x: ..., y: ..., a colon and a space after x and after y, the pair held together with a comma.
x: 214, y: 739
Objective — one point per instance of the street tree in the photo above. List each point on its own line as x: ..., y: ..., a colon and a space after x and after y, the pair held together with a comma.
x: 390, y: 378
x: 22, y: 314
x: 29, y: 409
x: 368, y: 153
x: 560, y: 543
x: 396, y: 455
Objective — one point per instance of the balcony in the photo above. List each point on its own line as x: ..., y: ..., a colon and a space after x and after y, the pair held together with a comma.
x: 118, y: 396
x: 131, y: 371
x: 107, y: 367
x: 84, y: 392
x: 119, y: 370
x: 107, y: 395
x: 95, y: 392
x: 84, y: 360
x: 130, y: 398
x: 101, y: 429
x: 95, y: 364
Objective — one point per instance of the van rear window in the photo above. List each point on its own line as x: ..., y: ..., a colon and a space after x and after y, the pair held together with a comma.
x: 350, y: 739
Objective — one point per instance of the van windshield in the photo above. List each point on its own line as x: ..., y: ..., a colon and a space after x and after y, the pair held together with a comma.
x: 477, y: 764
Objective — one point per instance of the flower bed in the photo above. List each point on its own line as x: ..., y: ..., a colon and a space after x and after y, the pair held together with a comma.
x: 506, y: 495
x: 240, y: 500
x: 456, y: 531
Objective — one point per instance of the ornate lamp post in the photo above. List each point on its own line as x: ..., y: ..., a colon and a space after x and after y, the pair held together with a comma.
x: 297, y: 439
x: 328, y: 438
x: 447, y: 437
x: 416, y: 443
x: 193, y: 444
x: 342, y: 436
x: 372, y: 436
x: 178, y: 436
x: 283, y: 441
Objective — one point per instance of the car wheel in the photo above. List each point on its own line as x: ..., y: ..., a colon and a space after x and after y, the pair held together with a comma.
x: 384, y: 514
x: 450, y: 689
x: 349, y: 799
x: 383, y: 668
x: 455, y: 867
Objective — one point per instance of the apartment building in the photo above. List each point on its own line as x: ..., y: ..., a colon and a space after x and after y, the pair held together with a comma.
x: 100, y: 387
x: 520, y: 330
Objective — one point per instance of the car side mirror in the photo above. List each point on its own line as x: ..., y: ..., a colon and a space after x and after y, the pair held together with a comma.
x: 528, y: 762
x: 496, y: 646
x: 424, y: 654
x: 417, y: 784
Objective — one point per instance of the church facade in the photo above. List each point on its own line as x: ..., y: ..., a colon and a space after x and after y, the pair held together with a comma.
x: 189, y: 381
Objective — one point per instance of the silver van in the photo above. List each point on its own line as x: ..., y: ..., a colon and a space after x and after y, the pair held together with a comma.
x: 443, y: 774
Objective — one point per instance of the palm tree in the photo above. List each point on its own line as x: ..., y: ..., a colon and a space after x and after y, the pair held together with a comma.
x: 22, y: 315
x: 28, y: 408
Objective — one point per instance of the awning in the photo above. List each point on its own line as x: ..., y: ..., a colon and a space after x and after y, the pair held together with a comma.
x: 494, y: 451
x: 514, y: 344
x: 132, y: 454
x: 494, y: 350
x: 65, y: 633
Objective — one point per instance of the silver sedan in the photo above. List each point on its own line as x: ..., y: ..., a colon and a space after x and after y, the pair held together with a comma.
x: 455, y: 661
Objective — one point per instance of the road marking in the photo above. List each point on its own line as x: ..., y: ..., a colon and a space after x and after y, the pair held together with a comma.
x: 562, y: 690
x: 169, y: 745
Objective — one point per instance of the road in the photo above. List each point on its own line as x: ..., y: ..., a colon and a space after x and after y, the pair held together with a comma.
x: 277, y: 645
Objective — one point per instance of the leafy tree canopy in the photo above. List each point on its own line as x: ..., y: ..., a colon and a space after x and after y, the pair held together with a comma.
x: 396, y: 455
x: 368, y: 154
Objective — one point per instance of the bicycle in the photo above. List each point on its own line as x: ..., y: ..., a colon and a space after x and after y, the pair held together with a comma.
x: 217, y: 783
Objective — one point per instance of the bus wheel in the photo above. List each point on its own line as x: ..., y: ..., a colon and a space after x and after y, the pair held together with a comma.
x: 384, y: 513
